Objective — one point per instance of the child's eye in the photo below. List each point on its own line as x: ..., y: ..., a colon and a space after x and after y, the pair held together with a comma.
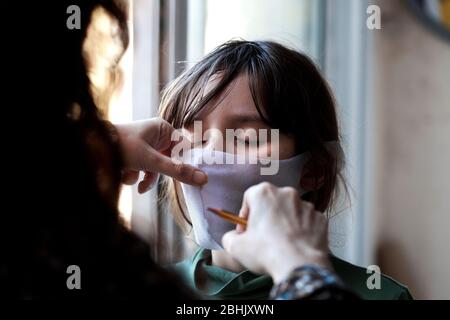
x: 199, y: 144
x: 248, y: 142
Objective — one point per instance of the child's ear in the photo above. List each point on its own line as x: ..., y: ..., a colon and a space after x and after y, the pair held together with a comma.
x: 312, y: 177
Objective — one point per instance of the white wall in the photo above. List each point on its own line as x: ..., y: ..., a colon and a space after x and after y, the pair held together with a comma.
x: 412, y: 105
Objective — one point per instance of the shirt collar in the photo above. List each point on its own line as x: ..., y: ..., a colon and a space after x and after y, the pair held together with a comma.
x: 220, y: 283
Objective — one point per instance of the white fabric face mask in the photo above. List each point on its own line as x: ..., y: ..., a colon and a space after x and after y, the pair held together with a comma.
x: 225, y: 189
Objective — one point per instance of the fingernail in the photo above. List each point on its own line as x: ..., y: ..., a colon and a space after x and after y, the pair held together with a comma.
x: 199, y: 177
x: 142, y: 191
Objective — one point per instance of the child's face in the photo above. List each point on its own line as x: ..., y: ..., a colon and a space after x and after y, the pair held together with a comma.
x: 235, y: 109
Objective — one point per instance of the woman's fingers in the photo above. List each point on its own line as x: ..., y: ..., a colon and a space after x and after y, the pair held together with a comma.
x: 278, y: 223
x: 130, y: 177
x: 231, y: 242
x: 243, y: 213
x: 148, y: 146
x: 307, y: 213
x: 180, y: 171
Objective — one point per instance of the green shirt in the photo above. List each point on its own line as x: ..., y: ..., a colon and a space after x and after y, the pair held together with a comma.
x: 216, y: 283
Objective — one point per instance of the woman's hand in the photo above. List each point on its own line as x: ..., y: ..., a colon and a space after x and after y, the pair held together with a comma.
x: 146, y: 146
x: 282, y: 232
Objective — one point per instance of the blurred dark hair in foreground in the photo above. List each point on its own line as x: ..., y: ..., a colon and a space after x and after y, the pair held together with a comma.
x: 64, y: 209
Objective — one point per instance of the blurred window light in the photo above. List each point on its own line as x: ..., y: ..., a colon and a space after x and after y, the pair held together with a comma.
x: 295, y: 23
